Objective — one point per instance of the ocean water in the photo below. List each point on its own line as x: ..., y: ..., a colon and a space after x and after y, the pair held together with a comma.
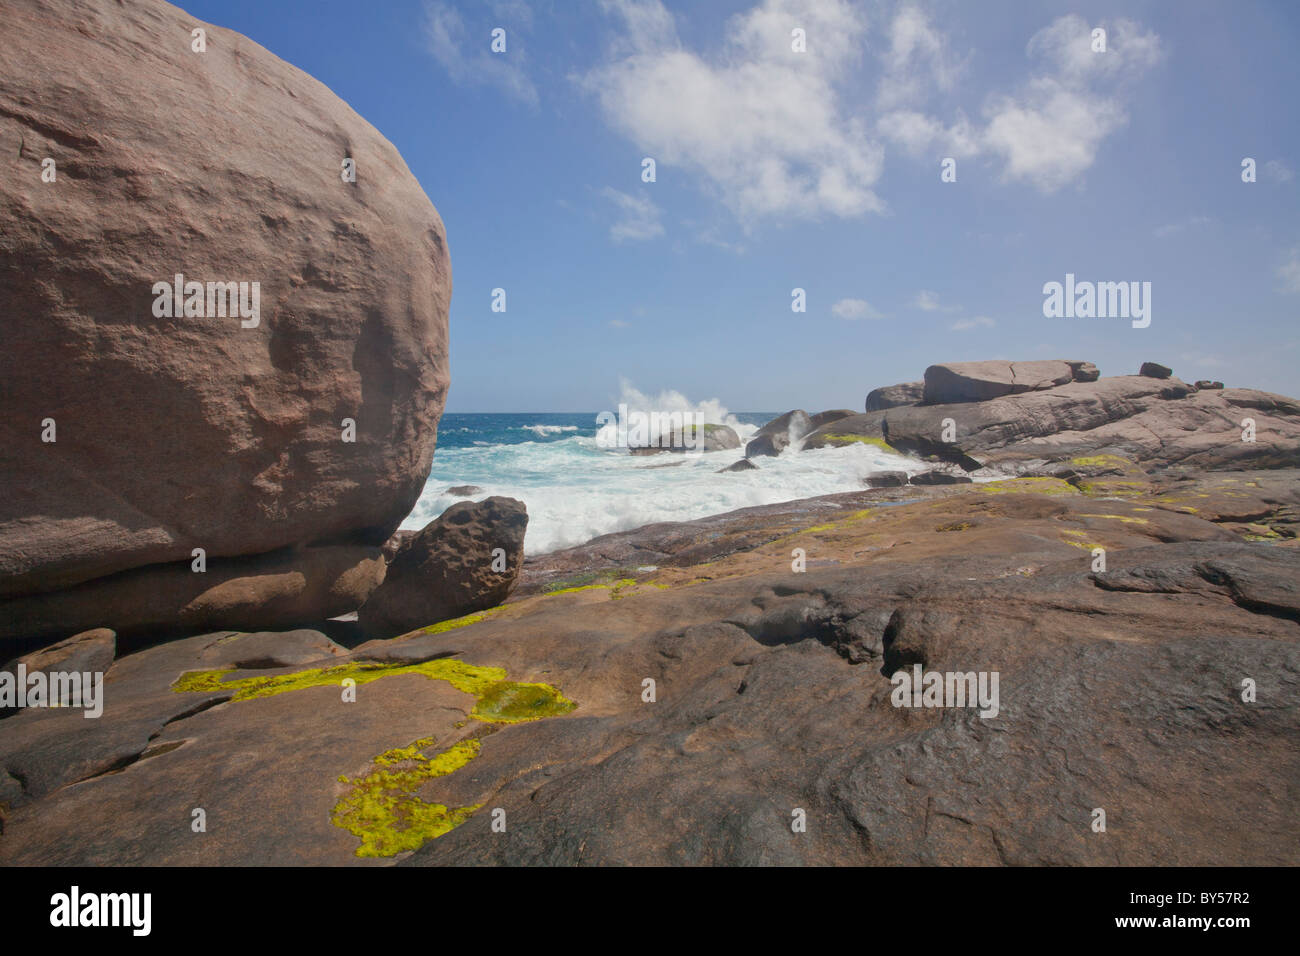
x: 576, y: 490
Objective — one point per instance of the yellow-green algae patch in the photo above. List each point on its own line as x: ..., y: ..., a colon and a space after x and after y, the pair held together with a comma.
x: 465, y: 677
x: 1112, y: 488
x: 1086, y: 545
x: 383, y: 808
x: 1127, y: 519
x: 1101, y: 461
x: 864, y: 439
x: 1038, y: 486
x: 455, y: 622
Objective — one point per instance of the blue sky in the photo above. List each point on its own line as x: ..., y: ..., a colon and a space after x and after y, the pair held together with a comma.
x: 820, y: 170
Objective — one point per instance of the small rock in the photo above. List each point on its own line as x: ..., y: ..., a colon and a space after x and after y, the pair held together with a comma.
x: 449, y: 569
x: 1206, y: 385
x: 1155, y: 370
x: 939, y: 478
x: 463, y: 491
x: 743, y: 465
x: 885, y: 479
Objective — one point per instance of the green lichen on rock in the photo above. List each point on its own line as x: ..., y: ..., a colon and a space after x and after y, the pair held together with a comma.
x: 1112, y: 488
x: 1086, y: 545
x: 443, y: 626
x: 1104, y: 461
x: 509, y: 702
x: 1126, y: 519
x: 843, y: 440
x: 1037, y: 486
x: 465, y: 677
x: 587, y: 581
x: 383, y: 808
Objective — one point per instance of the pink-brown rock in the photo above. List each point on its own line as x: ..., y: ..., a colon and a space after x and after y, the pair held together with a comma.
x: 174, y: 433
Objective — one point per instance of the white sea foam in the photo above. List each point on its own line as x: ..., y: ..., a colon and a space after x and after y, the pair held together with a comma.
x: 549, y: 429
x: 576, y: 490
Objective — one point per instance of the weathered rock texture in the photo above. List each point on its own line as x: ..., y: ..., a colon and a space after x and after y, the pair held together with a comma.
x: 450, y: 568
x: 1120, y: 689
x: 185, y: 432
x: 278, y: 590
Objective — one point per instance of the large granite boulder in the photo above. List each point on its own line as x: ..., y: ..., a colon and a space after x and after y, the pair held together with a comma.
x: 227, y: 432
x: 891, y: 396
x: 467, y: 559
x: 778, y: 434
x: 981, y: 381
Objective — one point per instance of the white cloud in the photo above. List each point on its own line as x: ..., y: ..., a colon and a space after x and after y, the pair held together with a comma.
x: 917, y: 61
x: 765, y: 125
x: 979, y: 322
x: 639, y: 217
x: 466, y: 54
x: 918, y: 134
x: 1049, y: 132
x: 1289, y: 271
x: 619, y: 324
x: 928, y: 301
x: 855, y: 309
x: 1278, y: 171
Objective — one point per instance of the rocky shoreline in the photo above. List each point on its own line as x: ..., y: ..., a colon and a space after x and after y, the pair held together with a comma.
x: 672, y: 694
x: 1067, y: 634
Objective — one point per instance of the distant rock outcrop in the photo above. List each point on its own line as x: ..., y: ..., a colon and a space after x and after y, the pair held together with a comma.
x: 468, y: 559
x: 891, y: 396
x: 778, y: 434
x: 142, y: 421
x: 709, y: 437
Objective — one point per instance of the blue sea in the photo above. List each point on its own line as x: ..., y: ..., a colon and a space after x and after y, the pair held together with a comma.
x: 575, y: 489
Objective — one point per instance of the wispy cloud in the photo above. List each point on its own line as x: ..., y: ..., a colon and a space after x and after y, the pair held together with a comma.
x: 619, y: 324
x: 978, y: 322
x: 1289, y: 270
x: 466, y: 53
x: 855, y: 309
x: 639, y: 217
x: 928, y: 301
x: 1277, y: 171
